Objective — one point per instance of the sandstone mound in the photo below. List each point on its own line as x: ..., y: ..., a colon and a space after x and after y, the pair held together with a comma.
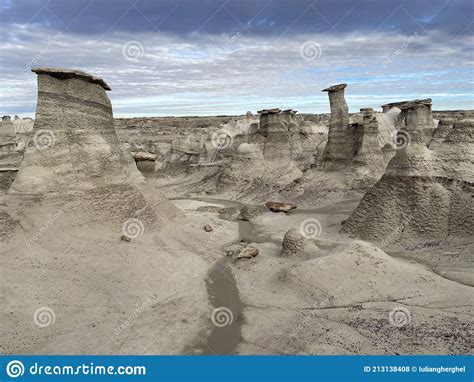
x: 371, y: 275
x: 424, y: 194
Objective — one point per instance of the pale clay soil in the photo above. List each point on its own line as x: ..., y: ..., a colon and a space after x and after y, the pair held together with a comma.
x: 153, y: 295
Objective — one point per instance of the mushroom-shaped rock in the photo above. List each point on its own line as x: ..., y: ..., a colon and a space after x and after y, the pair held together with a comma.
x: 339, y: 149
x: 74, y: 146
x: 335, y: 88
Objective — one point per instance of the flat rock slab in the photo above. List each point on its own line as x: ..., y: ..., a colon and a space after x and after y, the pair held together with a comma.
x: 280, y: 207
x: 63, y: 73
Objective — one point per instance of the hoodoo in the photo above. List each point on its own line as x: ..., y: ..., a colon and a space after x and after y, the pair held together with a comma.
x: 339, y: 148
x: 422, y: 191
x: 368, y: 154
x: 73, y: 144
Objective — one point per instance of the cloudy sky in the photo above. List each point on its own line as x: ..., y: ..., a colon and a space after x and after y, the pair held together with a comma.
x: 210, y: 57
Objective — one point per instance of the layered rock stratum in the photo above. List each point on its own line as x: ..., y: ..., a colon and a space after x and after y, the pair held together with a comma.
x: 74, y: 145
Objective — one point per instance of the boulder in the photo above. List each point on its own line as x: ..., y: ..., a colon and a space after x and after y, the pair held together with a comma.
x: 295, y: 243
x: 248, y: 252
x: 280, y: 207
x: 144, y: 156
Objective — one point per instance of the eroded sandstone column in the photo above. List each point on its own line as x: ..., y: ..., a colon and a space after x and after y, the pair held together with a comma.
x: 7, y: 131
x: 369, y: 155
x: 73, y: 145
x: 276, y: 127
x: 339, y: 149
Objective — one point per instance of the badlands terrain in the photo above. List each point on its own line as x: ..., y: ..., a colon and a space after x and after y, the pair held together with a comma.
x: 272, y: 232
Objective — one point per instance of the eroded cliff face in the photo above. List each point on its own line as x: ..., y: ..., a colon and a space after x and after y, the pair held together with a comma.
x: 425, y: 193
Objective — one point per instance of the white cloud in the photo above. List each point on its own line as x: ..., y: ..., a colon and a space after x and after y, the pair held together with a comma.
x: 209, y: 74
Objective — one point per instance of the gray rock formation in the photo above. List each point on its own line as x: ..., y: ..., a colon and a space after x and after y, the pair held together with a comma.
x: 74, y: 159
x: 7, y: 131
x: 276, y: 127
x: 369, y: 154
x: 73, y: 145
x: 424, y: 194
x: 249, y: 212
x: 339, y: 150
x: 295, y: 243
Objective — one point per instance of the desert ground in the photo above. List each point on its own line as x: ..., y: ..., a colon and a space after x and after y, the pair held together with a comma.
x: 271, y: 232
